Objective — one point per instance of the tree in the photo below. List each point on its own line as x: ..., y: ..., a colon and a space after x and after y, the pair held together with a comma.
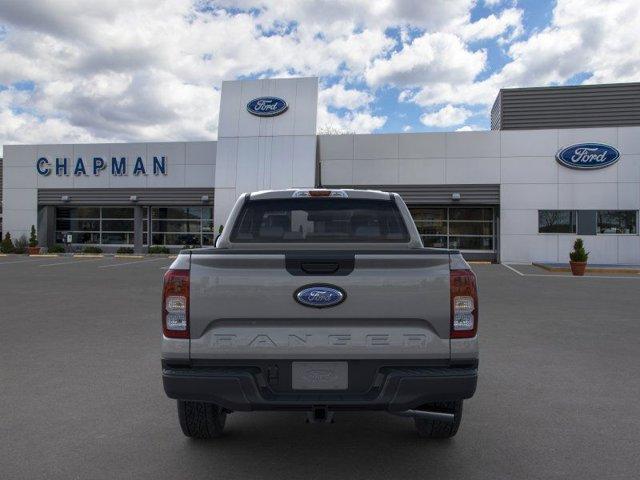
x: 7, y: 244
x: 579, y: 254
x: 33, y: 237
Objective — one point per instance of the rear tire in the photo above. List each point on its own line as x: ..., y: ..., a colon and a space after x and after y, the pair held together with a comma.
x: 201, y: 419
x: 437, y: 428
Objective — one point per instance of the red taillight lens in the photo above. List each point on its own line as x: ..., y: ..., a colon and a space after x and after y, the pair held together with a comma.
x: 464, y: 304
x: 175, y: 304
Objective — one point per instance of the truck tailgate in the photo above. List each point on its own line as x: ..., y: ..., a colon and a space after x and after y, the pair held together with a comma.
x: 243, y: 306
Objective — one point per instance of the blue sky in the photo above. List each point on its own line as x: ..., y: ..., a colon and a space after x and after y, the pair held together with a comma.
x: 77, y: 71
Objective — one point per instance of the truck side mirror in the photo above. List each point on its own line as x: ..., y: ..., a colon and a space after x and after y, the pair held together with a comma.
x: 215, y: 242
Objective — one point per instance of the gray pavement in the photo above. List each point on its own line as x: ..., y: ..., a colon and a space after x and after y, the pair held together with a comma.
x: 82, y: 397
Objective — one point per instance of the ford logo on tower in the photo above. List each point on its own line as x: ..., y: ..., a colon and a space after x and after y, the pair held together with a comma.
x: 588, y: 156
x: 319, y: 296
x: 267, y: 106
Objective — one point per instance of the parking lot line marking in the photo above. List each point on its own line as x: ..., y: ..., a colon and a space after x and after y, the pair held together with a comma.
x: 32, y: 260
x: 71, y: 262
x: 130, y: 263
x: 513, y: 269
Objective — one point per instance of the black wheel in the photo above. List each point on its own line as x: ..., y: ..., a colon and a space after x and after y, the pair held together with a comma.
x: 437, y: 428
x: 201, y: 419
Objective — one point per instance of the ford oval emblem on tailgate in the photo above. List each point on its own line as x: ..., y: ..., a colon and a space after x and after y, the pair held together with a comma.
x: 319, y: 296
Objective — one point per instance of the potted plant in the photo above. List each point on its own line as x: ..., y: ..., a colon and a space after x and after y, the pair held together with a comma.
x: 578, y: 258
x: 33, y: 249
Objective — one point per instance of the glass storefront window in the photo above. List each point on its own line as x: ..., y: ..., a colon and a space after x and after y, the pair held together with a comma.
x: 435, y: 242
x: 178, y: 213
x: 117, y: 212
x: 78, y: 224
x: 471, y: 228
x: 431, y: 228
x: 115, y: 238
x: 79, y: 237
x: 471, y: 243
x: 464, y: 213
x: 95, y: 225
x: 556, y: 221
x: 78, y: 212
x: 464, y: 228
x: 429, y: 214
x: 178, y: 226
x: 618, y: 221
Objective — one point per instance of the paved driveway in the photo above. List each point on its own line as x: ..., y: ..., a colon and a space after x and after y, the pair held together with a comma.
x: 81, y: 395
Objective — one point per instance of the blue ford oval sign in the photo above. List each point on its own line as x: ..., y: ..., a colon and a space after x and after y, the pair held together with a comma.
x: 588, y: 156
x: 267, y: 106
x: 319, y: 296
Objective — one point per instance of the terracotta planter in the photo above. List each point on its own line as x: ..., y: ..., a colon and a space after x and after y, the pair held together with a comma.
x: 33, y: 250
x: 578, y: 268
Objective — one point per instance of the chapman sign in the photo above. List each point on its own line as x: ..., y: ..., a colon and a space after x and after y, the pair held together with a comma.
x: 267, y: 106
x: 588, y: 156
x: 118, y: 166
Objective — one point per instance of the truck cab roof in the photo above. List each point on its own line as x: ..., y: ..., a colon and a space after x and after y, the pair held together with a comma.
x: 320, y: 192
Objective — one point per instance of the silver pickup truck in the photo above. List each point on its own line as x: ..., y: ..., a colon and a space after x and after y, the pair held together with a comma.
x: 320, y: 301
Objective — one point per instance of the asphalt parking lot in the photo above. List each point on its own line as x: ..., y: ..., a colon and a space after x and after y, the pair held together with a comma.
x: 81, y: 393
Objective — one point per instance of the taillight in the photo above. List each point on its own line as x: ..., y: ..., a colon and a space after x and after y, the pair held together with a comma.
x: 175, y: 304
x: 464, y: 303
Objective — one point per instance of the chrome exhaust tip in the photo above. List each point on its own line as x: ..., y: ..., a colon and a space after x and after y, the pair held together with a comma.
x: 426, y: 414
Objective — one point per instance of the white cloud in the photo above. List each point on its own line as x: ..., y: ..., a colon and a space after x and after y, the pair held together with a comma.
x: 441, y: 57
x: 407, y: 128
x: 596, y: 38
x: 151, y: 70
x: 340, y: 97
x: 447, y: 116
x: 351, y: 122
x: 357, y: 119
x: 469, y: 128
x: 509, y: 22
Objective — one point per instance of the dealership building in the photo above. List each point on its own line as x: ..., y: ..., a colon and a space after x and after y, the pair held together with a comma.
x: 558, y: 163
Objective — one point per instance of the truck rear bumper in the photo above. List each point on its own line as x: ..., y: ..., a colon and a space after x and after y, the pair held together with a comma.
x: 394, y: 389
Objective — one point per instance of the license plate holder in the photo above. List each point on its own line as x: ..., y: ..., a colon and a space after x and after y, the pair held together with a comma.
x: 319, y: 375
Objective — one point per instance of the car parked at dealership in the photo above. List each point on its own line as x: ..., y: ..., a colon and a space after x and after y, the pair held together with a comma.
x: 320, y: 301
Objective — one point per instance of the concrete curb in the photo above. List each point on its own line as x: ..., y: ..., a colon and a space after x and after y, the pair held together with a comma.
x: 589, y: 269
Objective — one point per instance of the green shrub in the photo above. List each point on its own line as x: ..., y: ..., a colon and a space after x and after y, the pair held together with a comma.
x: 158, y: 249
x: 33, y: 237
x: 7, y: 244
x: 91, y: 249
x: 20, y: 245
x: 57, y: 248
x: 579, y: 254
x: 124, y: 250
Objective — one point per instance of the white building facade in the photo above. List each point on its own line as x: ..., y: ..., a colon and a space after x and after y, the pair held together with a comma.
x: 499, y: 195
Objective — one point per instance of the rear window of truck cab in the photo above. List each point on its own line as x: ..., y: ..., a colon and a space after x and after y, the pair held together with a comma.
x: 319, y: 220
